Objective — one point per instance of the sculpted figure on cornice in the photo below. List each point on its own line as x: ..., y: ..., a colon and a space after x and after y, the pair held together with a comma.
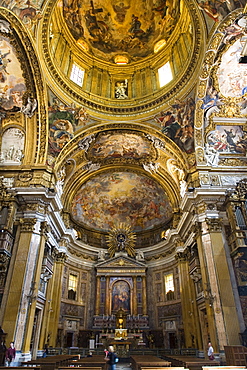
x: 91, y: 167
x: 151, y: 167
x: 238, y: 193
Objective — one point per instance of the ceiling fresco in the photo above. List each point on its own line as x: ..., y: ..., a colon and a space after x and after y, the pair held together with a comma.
x: 121, y: 197
x: 120, y: 145
x: 106, y: 28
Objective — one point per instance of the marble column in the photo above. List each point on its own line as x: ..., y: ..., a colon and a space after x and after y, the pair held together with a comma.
x: 56, y: 293
x: 221, y: 308
x: 134, y: 298
x: 188, y: 301
x: 97, y: 303
x: 107, y: 296
x: 144, y: 295
x: 21, y: 283
x: 32, y: 303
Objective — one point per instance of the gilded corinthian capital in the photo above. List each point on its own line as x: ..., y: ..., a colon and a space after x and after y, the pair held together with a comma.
x: 214, y: 224
x: 27, y: 224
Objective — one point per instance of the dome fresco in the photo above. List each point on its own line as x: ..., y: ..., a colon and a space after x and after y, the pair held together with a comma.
x: 107, y: 28
x: 121, y: 197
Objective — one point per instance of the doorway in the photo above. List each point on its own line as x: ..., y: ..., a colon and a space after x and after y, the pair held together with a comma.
x: 172, y: 340
x: 204, y: 327
x: 35, y: 333
x: 69, y: 340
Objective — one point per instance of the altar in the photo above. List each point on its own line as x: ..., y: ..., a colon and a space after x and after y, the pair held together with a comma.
x: 122, y: 348
x: 121, y: 317
x: 121, y: 334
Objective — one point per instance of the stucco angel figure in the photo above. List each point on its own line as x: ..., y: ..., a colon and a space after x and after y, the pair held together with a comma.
x: 211, y: 155
x: 121, y: 89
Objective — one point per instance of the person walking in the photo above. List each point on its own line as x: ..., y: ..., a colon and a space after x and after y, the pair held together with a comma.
x: 112, y: 358
x: 210, y: 351
x: 10, y: 354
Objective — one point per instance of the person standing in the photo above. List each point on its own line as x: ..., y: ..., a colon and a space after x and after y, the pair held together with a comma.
x: 3, y: 350
x: 10, y: 354
x: 210, y: 351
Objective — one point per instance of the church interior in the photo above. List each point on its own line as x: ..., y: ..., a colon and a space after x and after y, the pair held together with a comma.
x: 96, y: 95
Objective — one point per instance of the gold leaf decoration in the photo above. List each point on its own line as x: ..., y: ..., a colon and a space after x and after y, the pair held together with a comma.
x: 121, y: 238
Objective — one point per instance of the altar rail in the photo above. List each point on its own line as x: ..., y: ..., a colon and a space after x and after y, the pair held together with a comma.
x: 83, y: 352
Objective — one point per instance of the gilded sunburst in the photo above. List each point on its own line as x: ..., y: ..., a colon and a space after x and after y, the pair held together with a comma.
x: 121, y: 238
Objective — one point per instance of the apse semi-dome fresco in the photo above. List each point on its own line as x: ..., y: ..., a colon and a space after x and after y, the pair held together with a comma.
x: 126, y: 197
x: 123, y: 26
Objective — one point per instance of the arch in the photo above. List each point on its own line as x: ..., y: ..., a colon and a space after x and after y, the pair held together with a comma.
x: 34, y: 122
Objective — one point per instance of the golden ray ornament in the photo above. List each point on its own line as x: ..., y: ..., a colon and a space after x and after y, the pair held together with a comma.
x: 121, y: 238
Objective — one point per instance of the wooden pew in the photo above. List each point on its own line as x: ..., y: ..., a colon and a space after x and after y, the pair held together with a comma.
x: 81, y: 368
x: 192, y: 363
x: 19, y: 367
x: 223, y: 367
x: 139, y: 361
x: 94, y: 361
x: 51, y: 362
x: 163, y: 368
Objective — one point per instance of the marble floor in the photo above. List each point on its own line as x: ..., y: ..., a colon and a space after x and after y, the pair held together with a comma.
x: 124, y: 365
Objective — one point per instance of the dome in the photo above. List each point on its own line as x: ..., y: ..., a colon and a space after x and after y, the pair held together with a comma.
x: 112, y: 57
x: 108, y: 28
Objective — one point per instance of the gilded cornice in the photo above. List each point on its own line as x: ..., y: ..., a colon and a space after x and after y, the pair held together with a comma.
x: 131, y: 107
x: 81, y: 255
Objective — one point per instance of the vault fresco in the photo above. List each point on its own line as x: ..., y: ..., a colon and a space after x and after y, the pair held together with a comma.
x: 120, y: 145
x: 121, y: 197
x: 109, y: 27
x: 12, y: 84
